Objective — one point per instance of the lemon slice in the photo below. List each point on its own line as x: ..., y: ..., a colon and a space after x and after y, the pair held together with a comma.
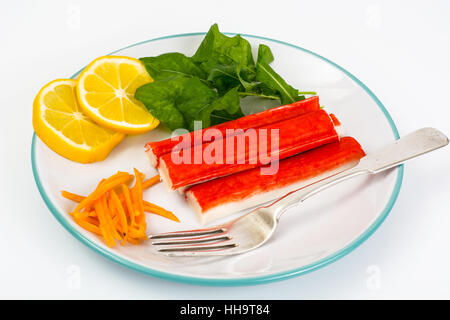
x: 60, y: 123
x: 106, y: 90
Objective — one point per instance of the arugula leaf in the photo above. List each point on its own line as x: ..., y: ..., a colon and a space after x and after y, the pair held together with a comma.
x: 228, y: 61
x: 178, y: 102
x: 208, y: 86
x: 160, y: 99
x: 170, y: 65
x: 227, y: 107
x: 271, y: 81
x: 265, y: 54
x: 194, y: 102
x: 223, y: 77
x: 209, y: 111
x: 219, y: 48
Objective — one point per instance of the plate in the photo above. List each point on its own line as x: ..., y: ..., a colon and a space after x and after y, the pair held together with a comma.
x: 320, y: 231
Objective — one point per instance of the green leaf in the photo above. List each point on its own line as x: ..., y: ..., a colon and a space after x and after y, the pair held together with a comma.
x: 228, y: 61
x: 194, y: 103
x: 271, y: 82
x: 160, y: 98
x: 227, y: 107
x: 170, y: 65
x: 224, y: 77
x: 219, y: 48
x: 199, y: 103
x: 208, y: 86
x: 265, y: 54
x: 178, y: 102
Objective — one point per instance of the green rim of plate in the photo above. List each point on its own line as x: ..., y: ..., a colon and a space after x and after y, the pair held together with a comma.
x: 62, y: 218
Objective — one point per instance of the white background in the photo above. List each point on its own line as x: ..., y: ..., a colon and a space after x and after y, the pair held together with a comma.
x: 399, y: 49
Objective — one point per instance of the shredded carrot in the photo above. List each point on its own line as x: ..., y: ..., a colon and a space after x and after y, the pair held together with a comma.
x: 113, y: 214
x: 138, y: 192
x: 153, y: 208
x: 143, y: 227
x: 133, y: 241
x: 116, y: 211
x: 103, y: 224
x: 80, y: 215
x: 72, y: 196
x: 121, y: 213
x: 88, y: 226
x: 92, y: 220
x: 103, y: 187
x: 150, y: 182
x: 135, y: 233
x: 136, y: 196
x: 130, y: 208
x: 109, y: 218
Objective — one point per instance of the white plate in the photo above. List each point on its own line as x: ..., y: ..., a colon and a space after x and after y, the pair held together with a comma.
x: 323, y: 229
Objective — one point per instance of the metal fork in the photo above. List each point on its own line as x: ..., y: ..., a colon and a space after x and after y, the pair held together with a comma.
x: 255, y: 228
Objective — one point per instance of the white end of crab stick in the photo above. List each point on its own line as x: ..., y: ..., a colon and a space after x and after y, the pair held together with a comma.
x: 152, y: 157
x: 164, y: 174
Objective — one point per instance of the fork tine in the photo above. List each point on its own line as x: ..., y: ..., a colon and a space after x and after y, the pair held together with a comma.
x: 187, y: 251
x: 188, y: 233
x: 212, y: 238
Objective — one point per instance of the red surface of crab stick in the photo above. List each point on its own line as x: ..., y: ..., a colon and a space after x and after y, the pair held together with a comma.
x: 156, y: 149
x: 219, y: 158
x: 220, y: 197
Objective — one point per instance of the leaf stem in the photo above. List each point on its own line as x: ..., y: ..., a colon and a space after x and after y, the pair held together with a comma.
x: 307, y: 92
x: 258, y: 95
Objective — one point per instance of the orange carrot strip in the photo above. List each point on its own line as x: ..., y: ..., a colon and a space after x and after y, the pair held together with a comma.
x: 116, y: 220
x: 150, y: 182
x: 133, y: 241
x: 114, y: 177
x: 161, y: 212
x: 142, y: 225
x: 135, y: 210
x: 129, y: 204
x: 88, y: 226
x: 103, y: 224
x: 138, y: 191
x: 81, y: 215
x: 104, y: 187
x: 91, y: 212
x: 92, y: 220
x: 121, y: 214
x: 119, y: 174
x: 152, y: 205
x: 140, y: 220
x: 109, y: 220
x: 123, y: 201
x: 143, y: 228
x: 72, y: 196
x: 136, y: 233
x: 113, y: 214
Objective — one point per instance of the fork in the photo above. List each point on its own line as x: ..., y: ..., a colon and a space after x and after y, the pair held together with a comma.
x: 255, y: 228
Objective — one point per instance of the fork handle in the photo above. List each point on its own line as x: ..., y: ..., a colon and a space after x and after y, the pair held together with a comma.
x: 410, y: 146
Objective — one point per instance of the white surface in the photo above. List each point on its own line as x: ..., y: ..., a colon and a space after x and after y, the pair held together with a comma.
x: 399, y: 50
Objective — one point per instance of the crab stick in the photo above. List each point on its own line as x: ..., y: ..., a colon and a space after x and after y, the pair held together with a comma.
x: 220, y: 197
x: 156, y: 149
x: 253, y: 148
